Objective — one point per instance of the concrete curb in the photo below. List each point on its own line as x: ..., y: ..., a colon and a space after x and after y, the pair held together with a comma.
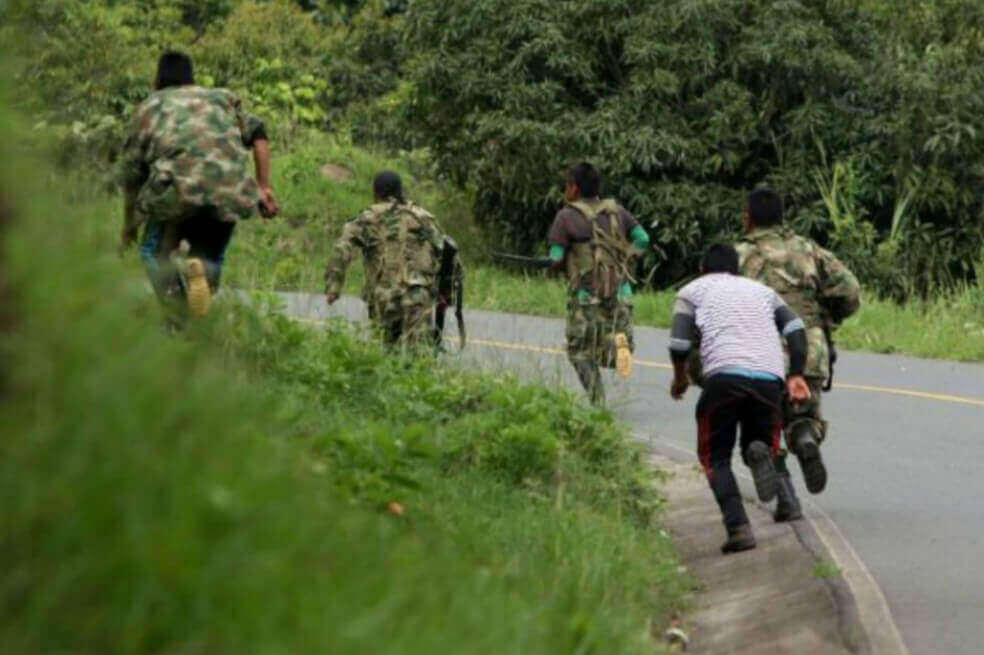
x: 864, y: 624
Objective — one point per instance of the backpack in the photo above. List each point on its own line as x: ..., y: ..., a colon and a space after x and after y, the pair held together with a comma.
x: 601, y: 265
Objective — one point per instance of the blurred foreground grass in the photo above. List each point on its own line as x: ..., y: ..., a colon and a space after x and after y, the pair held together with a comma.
x: 257, y: 487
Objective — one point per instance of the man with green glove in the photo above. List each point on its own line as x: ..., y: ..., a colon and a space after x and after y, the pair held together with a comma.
x: 595, y: 242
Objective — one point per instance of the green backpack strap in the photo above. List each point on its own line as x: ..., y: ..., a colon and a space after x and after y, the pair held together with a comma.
x: 584, y: 209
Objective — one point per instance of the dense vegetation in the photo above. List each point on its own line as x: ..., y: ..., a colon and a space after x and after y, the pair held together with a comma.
x: 867, y: 115
x: 868, y: 120
x: 262, y: 487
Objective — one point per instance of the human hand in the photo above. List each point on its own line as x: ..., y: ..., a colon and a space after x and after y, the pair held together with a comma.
x: 268, y: 203
x: 679, y: 387
x: 799, y: 390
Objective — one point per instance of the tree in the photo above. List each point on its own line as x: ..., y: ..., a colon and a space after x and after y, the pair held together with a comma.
x: 687, y: 105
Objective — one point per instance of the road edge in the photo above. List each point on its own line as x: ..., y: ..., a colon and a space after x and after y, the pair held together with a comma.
x: 865, y: 619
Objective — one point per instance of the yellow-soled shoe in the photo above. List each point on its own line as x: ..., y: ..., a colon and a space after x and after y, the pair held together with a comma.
x: 198, y: 292
x: 623, y: 356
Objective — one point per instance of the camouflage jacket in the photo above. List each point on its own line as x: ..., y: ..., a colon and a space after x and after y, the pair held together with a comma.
x: 187, y: 149
x: 812, y: 281
x: 401, y: 246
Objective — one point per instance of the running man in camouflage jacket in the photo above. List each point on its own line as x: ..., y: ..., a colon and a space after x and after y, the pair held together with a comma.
x: 822, y: 292
x: 401, y: 246
x: 595, y: 242
x: 185, y: 177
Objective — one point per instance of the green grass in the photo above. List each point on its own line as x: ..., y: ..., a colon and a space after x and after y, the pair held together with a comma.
x: 950, y: 326
x: 291, y: 251
x: 290, y: 254
x: 230, y: 490
x: 826, y: 570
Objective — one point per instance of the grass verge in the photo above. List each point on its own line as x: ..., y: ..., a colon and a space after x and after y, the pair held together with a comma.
x: 256, y: 486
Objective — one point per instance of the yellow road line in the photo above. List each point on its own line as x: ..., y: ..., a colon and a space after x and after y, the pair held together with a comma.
x: 840, y: 385
x: 893, y: 391
x: 912, y: 393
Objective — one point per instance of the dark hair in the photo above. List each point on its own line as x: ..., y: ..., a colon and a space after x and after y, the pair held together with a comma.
x: 587, y: 178
x: 388, y: 184
x: 720, y: 258
x: 765, y: 207
x: 174, y: 69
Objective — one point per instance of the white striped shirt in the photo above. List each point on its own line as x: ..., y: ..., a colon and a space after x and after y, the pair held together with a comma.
x: 736, y: 319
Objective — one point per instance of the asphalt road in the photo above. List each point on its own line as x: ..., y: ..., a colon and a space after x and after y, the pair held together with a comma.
x: 903, y: 451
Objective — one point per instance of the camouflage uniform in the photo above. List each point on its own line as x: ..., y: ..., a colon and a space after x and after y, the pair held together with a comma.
x: 401, y: 246
x: 185, y: 168
x: 187, y: 150
x: 815, y: 285
x: 599, y: 303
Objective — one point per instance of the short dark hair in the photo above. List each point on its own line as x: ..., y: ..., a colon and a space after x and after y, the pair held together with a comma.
x: 174, y: 69
x: 720, y: 258
x: 587, y: 178
x: 765, y: 207
x: 388, y: 184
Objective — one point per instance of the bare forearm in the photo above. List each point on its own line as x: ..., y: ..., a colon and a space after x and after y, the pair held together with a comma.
x: 261, y: 156
x: 680, y: 369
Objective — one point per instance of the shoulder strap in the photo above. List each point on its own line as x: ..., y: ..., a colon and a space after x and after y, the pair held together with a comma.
x: 609, y: 206
x: 380, y: 208
x: 606, y: 206
x: 584, y: 209
x: 417, y: 211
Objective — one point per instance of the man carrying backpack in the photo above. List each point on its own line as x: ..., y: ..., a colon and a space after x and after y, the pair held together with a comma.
x: 595, y: 242
x: 402, y: 249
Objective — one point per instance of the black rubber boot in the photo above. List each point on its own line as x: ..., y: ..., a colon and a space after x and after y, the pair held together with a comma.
x: 739, y: 539
x: 788, y: 505
x: 807, y: 450
x: 590, y: 377
x: 759, y: 460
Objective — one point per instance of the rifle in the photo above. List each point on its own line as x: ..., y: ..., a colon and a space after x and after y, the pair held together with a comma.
x: 519, y: 261
x: 831, y: 356
x: 450, y: 290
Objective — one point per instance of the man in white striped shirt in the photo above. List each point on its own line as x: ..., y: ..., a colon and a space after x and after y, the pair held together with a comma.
x: 741, y: 324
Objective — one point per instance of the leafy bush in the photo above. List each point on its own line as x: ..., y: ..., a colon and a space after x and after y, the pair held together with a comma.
x: 89, y: 64
x: 274, y: 55
x: 521, y: 434
x: 366, y: 62
x: 87, y: 60
x: 688, y: 106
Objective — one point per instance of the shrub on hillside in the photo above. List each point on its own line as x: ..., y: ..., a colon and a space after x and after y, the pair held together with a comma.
x: 274, y: 54
x: 688, y: 106
x: 519, y: 433
x: 90, y: 64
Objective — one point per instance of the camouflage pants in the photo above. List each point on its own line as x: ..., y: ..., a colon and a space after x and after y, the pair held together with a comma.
x: 591, y: 330
x: 404, y: 317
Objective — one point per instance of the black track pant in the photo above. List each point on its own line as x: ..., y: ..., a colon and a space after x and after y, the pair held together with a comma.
x: 209, y: 238
x: 727, y: 402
